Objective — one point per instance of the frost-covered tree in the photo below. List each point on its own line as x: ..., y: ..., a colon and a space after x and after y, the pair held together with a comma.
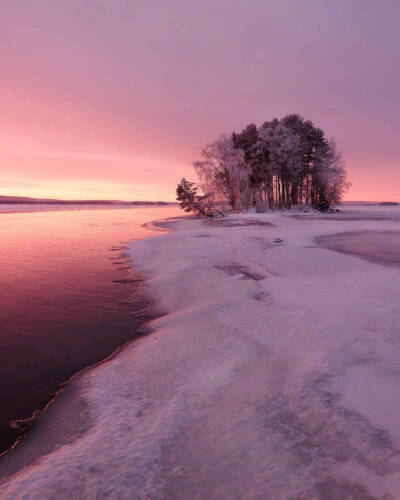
x: 224, y: 172
x: 311, y: 142
x: 282, y: 146
x: 256, y: 156
x: 331, y: 176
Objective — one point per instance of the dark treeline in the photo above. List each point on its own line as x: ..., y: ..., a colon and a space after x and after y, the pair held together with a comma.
x: 284, y: 163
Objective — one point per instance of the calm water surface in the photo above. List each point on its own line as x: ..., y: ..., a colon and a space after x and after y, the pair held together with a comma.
x: 60, y: 306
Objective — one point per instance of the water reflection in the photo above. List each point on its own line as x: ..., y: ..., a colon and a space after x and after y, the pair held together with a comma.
x: 63, y: 290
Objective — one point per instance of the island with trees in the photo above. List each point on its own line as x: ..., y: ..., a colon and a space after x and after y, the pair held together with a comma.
x: 282, y: 164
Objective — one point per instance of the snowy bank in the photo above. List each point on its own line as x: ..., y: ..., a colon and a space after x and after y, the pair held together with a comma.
x: 272, y: 372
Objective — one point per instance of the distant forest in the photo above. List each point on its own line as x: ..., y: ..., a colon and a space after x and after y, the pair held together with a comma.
x: 281, y: 164
x: 13, y: 200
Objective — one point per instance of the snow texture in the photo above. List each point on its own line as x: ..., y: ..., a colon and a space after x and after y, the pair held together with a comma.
x: 273, y: 372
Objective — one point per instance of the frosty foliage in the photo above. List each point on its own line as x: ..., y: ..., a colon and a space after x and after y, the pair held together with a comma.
x: 224, y: 172
x: 283, y: 163
x: 333, y: 174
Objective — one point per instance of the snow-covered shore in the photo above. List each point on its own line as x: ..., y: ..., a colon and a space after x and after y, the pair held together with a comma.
x: 272, y: 372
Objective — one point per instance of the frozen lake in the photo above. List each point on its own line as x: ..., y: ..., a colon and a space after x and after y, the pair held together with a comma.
x: 381, y: 247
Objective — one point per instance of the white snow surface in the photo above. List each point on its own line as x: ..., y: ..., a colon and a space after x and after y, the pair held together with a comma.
x: 273, y: 373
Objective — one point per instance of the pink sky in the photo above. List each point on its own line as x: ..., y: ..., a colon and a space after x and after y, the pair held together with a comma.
x: 114, y: 99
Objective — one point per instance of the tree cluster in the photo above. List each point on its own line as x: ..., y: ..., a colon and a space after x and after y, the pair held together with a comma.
x: 283, y: 163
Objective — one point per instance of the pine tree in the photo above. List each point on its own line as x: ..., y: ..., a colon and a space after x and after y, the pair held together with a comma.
x: 186, y: 194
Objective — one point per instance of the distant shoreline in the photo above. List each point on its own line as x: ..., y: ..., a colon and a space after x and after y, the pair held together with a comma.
x: 29, y: 201
x: 23, y: 208
x: 371, y: 203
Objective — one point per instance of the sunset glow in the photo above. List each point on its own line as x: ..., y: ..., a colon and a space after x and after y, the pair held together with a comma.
x: 199, y: 253
x: 113, y: 100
